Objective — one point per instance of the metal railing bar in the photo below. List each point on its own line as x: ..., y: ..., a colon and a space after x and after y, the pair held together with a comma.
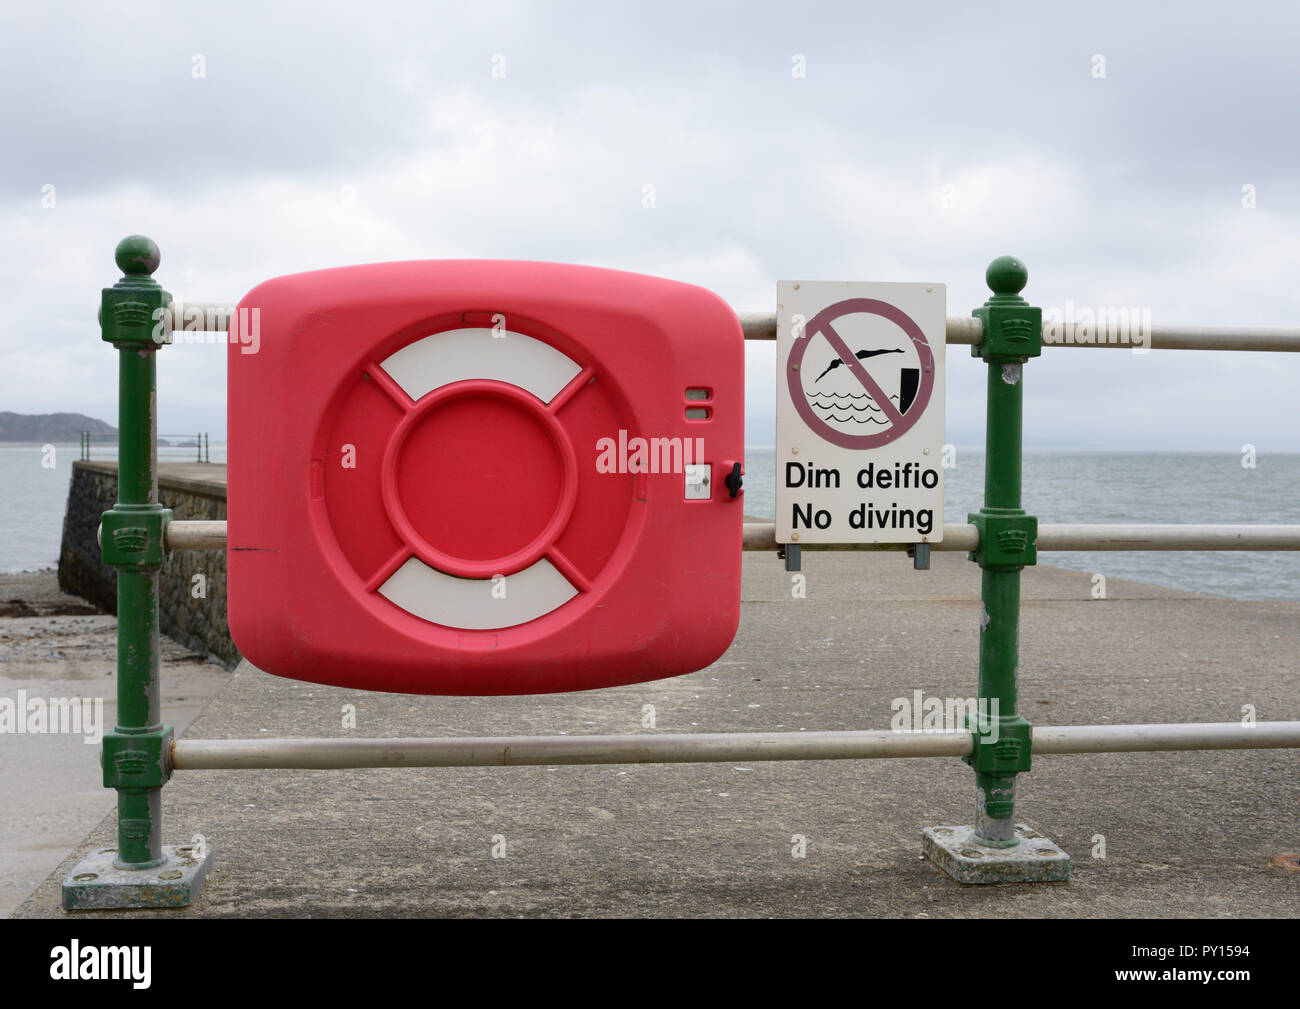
x: 967, y: 331
x: 214, y: 317
x: 191, y: 534
x: 680, y: 748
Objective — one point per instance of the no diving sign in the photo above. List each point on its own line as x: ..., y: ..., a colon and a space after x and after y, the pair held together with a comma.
x: 859, y: 412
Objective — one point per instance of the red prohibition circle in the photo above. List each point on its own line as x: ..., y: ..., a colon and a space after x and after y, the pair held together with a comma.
x: 499, y: 396
x: 821, y: 322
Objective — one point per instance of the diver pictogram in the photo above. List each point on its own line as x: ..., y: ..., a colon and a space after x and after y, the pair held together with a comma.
x: 862, y: 373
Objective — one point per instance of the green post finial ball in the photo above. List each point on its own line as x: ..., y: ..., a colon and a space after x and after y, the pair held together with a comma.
x: 1006, y: 275
x: 137, y: 256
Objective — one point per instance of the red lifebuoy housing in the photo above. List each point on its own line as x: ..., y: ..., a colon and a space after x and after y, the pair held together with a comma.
x: 473, y: 477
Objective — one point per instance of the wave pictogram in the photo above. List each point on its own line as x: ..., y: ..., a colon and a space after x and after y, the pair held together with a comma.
x: 854, y: 420
x: 843, y: 407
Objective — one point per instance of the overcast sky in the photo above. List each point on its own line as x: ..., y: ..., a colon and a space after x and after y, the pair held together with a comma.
x: 257, y: 139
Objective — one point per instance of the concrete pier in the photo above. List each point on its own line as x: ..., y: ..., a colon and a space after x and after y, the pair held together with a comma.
x: 1182, y: 834
x: 191, y: 585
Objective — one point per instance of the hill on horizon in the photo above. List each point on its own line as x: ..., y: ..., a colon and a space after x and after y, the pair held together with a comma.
x: 52, y: 427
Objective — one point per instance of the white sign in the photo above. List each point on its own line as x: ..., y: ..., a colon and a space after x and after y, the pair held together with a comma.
x: 859, y: 412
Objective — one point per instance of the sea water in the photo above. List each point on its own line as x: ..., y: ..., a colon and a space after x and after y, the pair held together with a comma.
x: 1128, y: 487
x: 1092, y: 487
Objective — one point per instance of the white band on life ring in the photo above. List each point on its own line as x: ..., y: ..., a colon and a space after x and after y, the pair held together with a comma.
x: 458, y: 355
x: 469, y: 603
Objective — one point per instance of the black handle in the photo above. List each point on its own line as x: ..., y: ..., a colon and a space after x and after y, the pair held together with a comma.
x: 734, y: 480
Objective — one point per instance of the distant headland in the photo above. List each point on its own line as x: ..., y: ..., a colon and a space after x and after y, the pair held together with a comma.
x: 52, y: 427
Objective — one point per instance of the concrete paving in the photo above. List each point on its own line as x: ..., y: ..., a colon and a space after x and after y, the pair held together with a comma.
x: 55, y: 646
x: 1184, y: 834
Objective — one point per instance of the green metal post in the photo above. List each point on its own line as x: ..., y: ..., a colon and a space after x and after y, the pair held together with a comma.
x: 132, y: 540
x: 997, y: 849
x: 1012, y: 333
x: 140, y: 871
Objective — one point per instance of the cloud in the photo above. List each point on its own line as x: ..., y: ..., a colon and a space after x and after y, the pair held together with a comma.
x: 921, y: 144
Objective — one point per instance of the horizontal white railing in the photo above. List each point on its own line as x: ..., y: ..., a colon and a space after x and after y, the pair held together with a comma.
x: 214, y: 317
x: 963, y: 538
x: 717, y: 747
x: 189, y: 534
x: 762, y: 326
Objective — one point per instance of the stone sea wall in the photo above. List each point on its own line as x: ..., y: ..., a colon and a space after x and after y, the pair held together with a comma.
x: 190, y: 611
